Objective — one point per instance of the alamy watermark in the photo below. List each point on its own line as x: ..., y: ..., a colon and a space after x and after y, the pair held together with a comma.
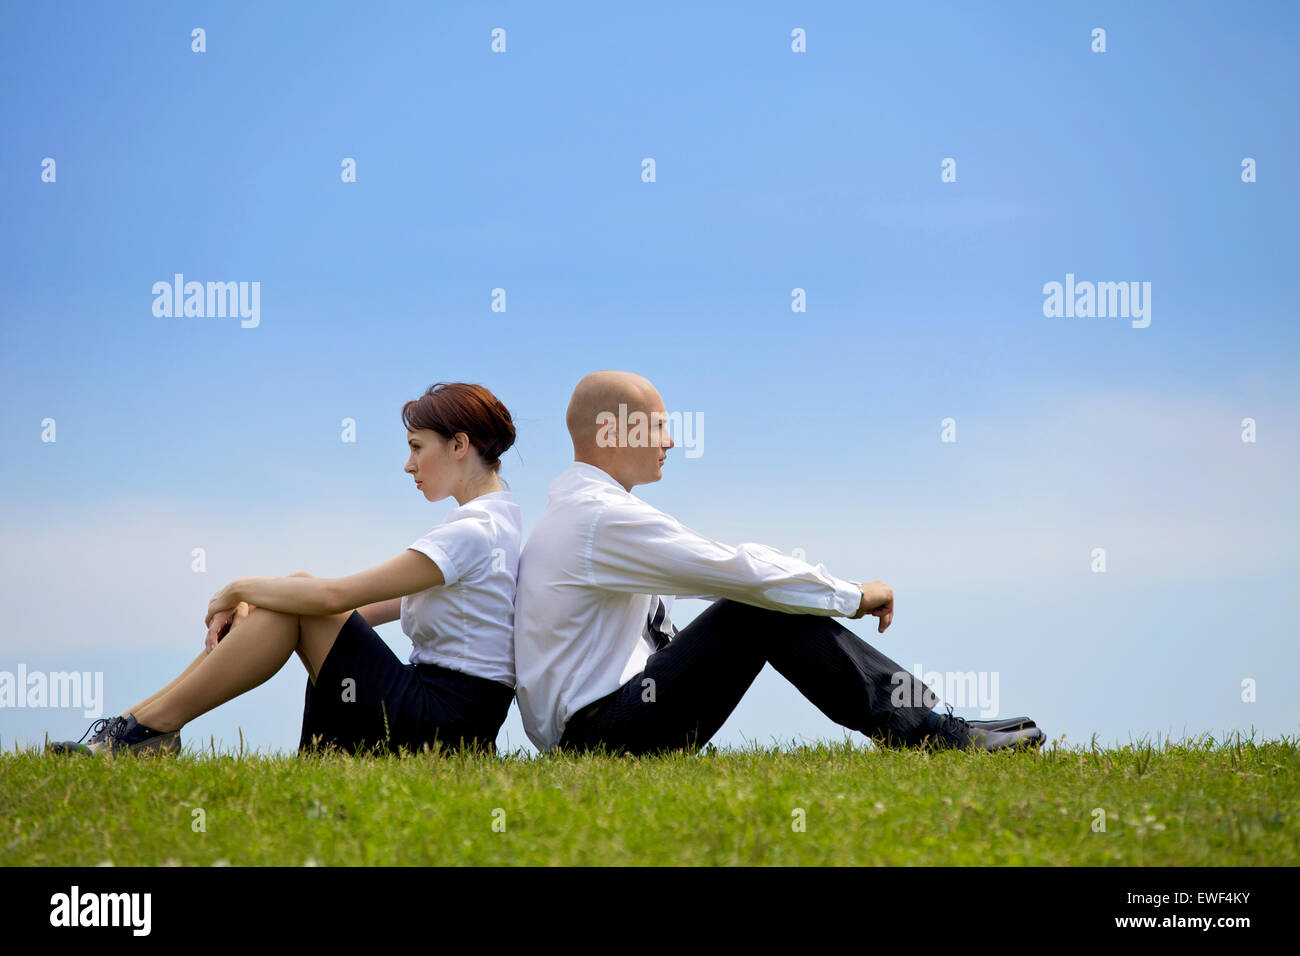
x: 1086, y: 300
x: 211, y: 300
x: 84, y: 689
x: 632, y: 429
x: 959, y: 688
x: 129, y: 910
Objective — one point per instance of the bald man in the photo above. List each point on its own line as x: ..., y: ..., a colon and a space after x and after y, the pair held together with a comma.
x: 598, y: 662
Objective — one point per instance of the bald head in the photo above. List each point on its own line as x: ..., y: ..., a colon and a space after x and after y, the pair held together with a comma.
x: 618, y: 423
x: 603, y: 392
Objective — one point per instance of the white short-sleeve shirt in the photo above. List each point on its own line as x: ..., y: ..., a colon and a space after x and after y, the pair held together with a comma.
x: 467, y: 623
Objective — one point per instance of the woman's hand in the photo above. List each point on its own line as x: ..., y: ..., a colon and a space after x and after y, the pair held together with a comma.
x: 227, y: 599
x: 224, y: 622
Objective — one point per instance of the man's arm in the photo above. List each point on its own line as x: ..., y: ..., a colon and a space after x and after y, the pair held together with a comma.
x: 637, y: 548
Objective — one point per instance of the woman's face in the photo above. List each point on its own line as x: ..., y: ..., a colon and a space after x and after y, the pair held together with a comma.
x: 435, y: 462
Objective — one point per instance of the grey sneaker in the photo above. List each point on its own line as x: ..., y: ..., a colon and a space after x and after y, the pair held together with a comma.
x: 127, y: 735
x: 98, y: 731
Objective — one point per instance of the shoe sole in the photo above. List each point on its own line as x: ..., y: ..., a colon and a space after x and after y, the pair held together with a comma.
x: 1006, y: 725
x: 167, y: 743
x: 67, y: 747
x: 1028, y: 742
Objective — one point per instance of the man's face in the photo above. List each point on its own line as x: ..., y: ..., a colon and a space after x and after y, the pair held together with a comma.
x: 642, y: 455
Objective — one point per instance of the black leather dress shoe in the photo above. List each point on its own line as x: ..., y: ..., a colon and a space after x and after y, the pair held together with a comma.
x: 1006, y: 723
x: 957, y: 733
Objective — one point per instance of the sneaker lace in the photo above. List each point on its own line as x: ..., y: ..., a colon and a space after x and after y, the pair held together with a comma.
x: 95, y: 728
x: 102, y: 727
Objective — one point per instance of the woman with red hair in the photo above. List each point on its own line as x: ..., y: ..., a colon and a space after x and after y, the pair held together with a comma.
x: 453, y: 591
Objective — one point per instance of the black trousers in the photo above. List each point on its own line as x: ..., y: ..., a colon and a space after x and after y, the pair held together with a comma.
x: 689, y: 688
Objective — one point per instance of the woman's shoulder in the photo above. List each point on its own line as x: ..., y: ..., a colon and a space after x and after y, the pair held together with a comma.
x: 496, y: 514
x: 480, y: 534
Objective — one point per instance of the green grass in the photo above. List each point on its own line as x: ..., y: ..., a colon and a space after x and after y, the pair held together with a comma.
x: 1198, y: 802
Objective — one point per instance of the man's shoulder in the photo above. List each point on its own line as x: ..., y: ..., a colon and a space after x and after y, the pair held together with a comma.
x: 580, y: 503
x: 629, y: 507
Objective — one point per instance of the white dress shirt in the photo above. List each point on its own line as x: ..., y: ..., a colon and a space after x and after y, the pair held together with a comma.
x: 588, y: 576
x: 467, y: 623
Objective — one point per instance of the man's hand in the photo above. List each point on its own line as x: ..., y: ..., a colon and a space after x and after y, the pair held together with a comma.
x: 224, y: 622
x: 878, y: 601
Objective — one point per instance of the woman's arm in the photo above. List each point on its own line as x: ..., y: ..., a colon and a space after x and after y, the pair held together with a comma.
x: 409, y: 572
x: 382, y: 612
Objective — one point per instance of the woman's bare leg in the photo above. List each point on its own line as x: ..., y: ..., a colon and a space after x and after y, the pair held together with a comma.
x: 180, y: 677
x: 143, y: 706
x: 246, y: 657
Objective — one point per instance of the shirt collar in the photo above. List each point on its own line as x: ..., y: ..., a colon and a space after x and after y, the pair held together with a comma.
x: 501, y: 495
x: 582, y: 471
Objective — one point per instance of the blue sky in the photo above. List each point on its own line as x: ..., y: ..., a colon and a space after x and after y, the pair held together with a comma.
x: 774, y: 171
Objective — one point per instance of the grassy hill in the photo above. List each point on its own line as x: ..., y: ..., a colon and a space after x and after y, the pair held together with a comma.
x: 1198, y: 802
